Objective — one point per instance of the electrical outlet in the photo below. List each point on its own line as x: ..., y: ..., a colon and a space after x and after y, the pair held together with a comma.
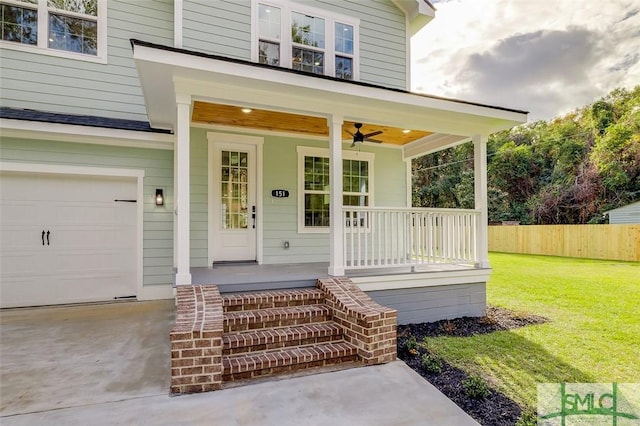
x: 286, y: 244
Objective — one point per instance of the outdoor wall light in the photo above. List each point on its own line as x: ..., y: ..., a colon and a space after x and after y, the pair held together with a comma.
x: 159, y: 197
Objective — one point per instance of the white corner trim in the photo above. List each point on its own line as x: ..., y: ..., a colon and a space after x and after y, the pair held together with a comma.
x: 138, y: 174
x: 25, y: 129
x: 178, y: 13
x: 425, y: 279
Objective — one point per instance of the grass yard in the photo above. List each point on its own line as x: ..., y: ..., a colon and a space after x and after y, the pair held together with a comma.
x: 593, y: 334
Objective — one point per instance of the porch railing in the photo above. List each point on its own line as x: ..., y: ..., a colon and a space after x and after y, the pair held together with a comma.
x: 387, y: 237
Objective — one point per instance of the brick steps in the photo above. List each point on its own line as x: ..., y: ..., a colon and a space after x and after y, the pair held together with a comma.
x: 244, y: 320
x: 282, y: 331
x: 282, y: 337
x: 272, y: 299
x: 220, y: 339
x: 256, y: 364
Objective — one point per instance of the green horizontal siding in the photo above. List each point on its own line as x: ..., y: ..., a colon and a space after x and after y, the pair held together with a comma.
x: 219, y: 27
x: 158, y: 167
x: 223, y: 28
x: 49, y: 83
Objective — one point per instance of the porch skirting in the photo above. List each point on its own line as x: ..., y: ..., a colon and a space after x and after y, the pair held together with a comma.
x: 434, y: 303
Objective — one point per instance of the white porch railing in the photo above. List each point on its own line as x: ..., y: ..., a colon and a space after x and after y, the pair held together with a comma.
x: 388, y: 237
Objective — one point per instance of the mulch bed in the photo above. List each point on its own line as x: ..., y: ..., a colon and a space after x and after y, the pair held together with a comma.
x: 496, y: 409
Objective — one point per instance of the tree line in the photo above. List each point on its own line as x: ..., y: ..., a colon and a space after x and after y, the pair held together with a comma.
x: 569, y: 170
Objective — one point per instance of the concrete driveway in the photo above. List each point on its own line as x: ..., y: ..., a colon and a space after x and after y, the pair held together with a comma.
x: 109, y: 364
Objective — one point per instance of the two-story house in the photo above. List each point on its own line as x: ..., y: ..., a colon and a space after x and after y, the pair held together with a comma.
x: 149, y: 144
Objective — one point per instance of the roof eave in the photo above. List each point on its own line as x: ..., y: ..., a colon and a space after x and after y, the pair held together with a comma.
x: 165, y: 71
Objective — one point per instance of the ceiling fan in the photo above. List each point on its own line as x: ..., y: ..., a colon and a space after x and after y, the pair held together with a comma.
x: 359, y: 137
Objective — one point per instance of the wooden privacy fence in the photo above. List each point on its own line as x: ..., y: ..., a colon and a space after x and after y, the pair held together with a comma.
x: 612, y: 242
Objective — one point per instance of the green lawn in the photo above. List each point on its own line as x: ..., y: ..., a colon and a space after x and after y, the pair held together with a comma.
x: 593, y: 334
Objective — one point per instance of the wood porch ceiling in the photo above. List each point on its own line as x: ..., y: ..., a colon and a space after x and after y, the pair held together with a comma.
x: 227, y: 115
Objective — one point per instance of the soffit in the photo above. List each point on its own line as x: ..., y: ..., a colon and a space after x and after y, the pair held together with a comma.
x: 229, y: 115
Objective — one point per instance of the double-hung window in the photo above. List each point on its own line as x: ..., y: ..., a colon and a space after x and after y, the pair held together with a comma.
x: 305, y: 39
x: 69, y: 28
x: 314, y: 183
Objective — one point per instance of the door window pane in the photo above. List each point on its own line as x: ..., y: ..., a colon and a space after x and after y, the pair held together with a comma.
x: 234, y: 189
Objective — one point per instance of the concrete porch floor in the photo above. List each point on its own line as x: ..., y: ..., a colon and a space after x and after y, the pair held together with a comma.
x: 108, y: 364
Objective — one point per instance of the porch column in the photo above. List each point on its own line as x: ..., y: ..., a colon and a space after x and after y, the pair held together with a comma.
x: 336, y: 229
x: 182, y: 170
x: 480, y: 198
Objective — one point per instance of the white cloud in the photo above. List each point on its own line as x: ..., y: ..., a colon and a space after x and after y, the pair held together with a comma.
x: 545, y: 57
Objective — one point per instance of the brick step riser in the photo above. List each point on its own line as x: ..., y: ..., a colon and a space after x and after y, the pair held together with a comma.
x: 282, y: 344
x: 270, y: 371
x: 272, y: 304
x: 277, y: 322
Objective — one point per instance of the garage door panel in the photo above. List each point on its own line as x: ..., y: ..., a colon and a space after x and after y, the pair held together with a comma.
x: 92, y: 250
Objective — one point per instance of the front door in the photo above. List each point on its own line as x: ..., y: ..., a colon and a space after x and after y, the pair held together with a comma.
x: 234, y: 215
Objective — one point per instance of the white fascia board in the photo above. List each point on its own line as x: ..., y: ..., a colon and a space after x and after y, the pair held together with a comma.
x: 422, y: 279
x: 25, y: 129
x: 419, y: 13
x: 164, y: 73
x: 430, y: 144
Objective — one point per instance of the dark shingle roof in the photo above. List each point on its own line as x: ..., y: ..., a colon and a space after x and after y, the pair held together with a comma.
x: 77, y: 120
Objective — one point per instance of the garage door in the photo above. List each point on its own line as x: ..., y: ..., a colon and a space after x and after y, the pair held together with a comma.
x: 63, y: 238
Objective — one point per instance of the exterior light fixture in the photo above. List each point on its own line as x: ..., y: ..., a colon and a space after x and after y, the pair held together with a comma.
x: 406, y: 131
x: 246, y: 110
x: 159, y: 197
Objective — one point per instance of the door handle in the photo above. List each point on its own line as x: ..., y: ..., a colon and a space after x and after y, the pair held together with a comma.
x: 253, y: 216
x: 43, y: 236
x: 48, y: 237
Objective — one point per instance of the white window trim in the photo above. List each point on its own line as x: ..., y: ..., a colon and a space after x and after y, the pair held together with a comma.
x: 42, y: 47
x: 308, y: 151
x: 286, y: 45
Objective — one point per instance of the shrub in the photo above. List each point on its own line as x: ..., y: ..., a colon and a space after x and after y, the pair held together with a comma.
x: 431, y: 363
x: 475, y: 387
x: 411, y: 345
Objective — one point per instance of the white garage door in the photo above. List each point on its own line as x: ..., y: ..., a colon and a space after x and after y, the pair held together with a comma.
x: 63, y: 238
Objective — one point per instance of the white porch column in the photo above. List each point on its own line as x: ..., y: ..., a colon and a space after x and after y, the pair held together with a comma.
x: 182, y: 170
x: 480, y: 197
x: 336, y: 232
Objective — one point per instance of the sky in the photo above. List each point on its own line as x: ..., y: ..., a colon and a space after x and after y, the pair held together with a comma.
x: 548, y: 57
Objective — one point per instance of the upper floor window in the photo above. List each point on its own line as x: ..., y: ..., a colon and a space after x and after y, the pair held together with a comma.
x: 70, y: 28
x: 305, y: 39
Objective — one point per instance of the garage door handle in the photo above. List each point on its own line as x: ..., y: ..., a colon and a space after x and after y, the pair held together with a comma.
x: 43, y: 236
x: 47, y: 237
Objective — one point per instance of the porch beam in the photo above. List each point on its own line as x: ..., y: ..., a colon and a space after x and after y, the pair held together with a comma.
x: 336, y: 229
x: 182, y: 209
x: 480, y: 198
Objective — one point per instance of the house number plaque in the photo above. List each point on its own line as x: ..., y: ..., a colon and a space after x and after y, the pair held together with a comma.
x: 279, y: 193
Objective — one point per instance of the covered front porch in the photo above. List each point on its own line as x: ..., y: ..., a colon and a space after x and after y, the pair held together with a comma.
x: 371, y: 238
